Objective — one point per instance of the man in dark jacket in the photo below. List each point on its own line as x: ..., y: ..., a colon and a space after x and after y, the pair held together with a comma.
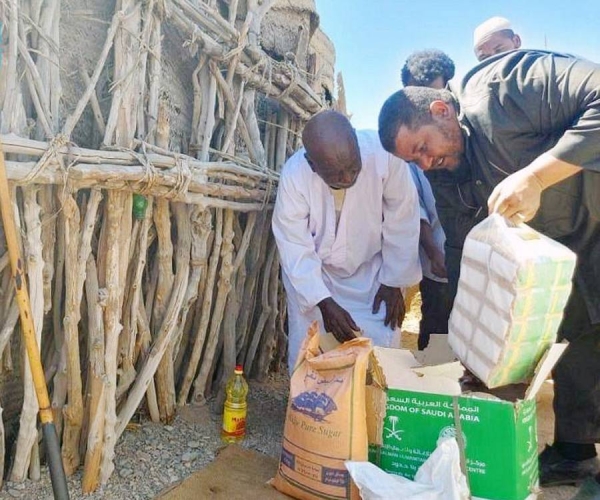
x: 525, y: 131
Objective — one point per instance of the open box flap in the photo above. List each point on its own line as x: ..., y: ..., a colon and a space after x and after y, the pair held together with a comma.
x: 452, y: 371
x: 438, y: 351
x: 402, y: 371
x: 544, y: 368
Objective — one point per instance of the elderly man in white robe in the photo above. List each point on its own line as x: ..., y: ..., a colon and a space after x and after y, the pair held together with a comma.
x: 346, y: 222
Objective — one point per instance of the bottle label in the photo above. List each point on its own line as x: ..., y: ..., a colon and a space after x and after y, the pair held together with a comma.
x: 234, y: 420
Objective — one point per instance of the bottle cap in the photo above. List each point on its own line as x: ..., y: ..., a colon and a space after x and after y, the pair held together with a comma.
x: 239, y: 369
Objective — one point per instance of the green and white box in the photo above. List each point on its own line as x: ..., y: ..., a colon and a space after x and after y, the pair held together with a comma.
x: 514, y: 284
x: 424, y: 403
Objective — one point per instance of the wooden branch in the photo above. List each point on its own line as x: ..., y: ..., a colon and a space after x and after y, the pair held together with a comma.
x: 223, y: 288
x: 59, y: 393
x: 96, y: 373
x: 8, y: 327
x: 94, y: 102
x: 233, y: 308
x: 35, y: 268
x: 197, y: 108
x: 55, y: 85
x: 242, y: 41
x: 150, y: 26
x: 249, y: 115
x: 282, y: 337
x: 36, y: 89
x: 264, y: 314
x: 233, y: 4
x: 132, y: 179
x: 259, y: 8
x: 49, y: 223
x: 256, y: 258
x: 182, y: 262
x: 164, y: 257
x: 270, y: 336
x: 129, y: 336
x: 10, y: 122
x: 204, y: 314
x: 19, y: 145
x: 228, y: 142
x: 243, y: 129
x: 302, y: 101
x: 112, y: 326
x: 72, y: 120
x: 208, y: 19
x: 77, y: 255
x: 145, y: 341
x: 159, y: 346
x: 154, y: 76
x: 126, y: 370
x: 120, y: 125
x: 282, y: 137
x: 208, y: 101
x: 201, y: 228
x: 42, y: 114
x: 273, y: 143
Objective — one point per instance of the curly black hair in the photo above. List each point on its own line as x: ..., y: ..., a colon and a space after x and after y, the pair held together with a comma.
x: 425, y: 66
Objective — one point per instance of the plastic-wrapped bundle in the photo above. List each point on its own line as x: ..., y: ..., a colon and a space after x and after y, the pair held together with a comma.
x: 514, y: 284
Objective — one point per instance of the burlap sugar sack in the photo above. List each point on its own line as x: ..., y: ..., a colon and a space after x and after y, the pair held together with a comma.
x: 325, y: 423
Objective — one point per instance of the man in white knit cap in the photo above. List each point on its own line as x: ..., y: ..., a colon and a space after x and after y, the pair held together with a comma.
x: 494, y: 36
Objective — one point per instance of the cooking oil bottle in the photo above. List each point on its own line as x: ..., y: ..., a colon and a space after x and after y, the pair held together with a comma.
x: 234, y: 413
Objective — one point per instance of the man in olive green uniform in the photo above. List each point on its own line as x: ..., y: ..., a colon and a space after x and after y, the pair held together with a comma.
x: 525, y: 131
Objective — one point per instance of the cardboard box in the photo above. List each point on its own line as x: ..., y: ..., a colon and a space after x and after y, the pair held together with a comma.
x: 411, y: 406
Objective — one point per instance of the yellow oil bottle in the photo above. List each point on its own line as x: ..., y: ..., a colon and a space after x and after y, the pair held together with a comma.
x: 234, y: 413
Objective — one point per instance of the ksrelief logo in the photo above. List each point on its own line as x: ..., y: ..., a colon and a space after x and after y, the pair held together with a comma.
x: 450, y: 432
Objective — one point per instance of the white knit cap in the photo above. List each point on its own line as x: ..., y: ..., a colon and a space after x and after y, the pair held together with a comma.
x: 486, y: 29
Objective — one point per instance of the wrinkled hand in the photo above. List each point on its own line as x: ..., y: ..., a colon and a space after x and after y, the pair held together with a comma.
x: 394, y: 305
x: 438, y: 265
x: 337, y: 320
x: 517, y: 198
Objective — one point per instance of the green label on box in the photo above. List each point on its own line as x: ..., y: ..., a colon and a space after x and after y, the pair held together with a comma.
x: 500, y: 440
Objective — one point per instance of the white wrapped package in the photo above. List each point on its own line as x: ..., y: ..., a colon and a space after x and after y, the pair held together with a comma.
x: 514, y: 284
x: 439, y: 478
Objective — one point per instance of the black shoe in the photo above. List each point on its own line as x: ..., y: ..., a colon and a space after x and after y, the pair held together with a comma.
x: 590, y: 490
x: 556, y: 470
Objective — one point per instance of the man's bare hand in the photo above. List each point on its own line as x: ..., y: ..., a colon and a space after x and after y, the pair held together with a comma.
x: 337, y: 320
x: 438, y: 265
x: 394, y: 305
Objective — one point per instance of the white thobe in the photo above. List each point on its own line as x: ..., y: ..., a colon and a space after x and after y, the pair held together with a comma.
x: 376, y: 242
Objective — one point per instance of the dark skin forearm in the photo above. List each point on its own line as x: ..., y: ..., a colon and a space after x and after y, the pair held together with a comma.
x: 436, y: 257
x: 426, y: 239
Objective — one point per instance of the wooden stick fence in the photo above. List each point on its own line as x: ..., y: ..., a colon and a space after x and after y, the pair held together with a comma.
x: 151, y: 268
